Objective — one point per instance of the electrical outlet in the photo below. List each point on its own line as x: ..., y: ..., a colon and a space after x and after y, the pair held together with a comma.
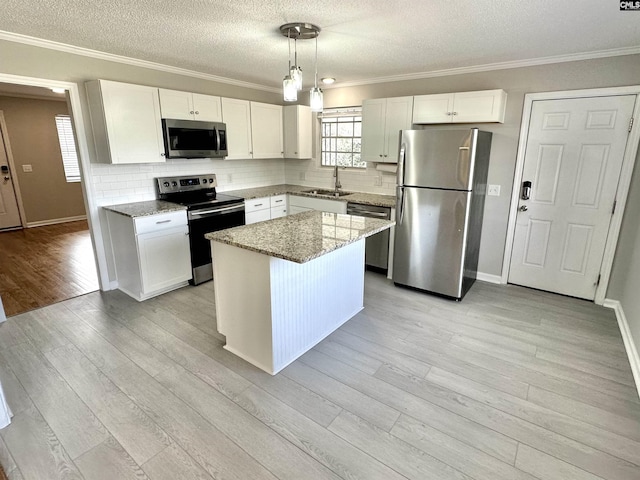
x: 378, y: 181
x: 493, y: 190
x: 302, y: 176
x: 229, y: 178
x: 27, y: 168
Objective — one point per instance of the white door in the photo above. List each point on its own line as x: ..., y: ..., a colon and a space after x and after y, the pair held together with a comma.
x: 573, y: 159
x: 9, y: 213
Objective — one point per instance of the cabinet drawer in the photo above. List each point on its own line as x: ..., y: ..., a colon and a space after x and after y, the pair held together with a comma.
x: 256, y: 204
x: 257, y: 216
x: 279, y: 201
x: 162, y: 221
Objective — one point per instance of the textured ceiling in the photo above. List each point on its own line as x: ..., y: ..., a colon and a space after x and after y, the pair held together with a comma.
x: 360, y: 40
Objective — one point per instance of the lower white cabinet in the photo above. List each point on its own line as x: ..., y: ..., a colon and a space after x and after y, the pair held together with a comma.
x: 265, y: 208
x: 299, y: 204
x: 151, y: 253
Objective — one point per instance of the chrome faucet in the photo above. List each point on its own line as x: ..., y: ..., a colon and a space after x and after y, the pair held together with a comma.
x: 338, y: 185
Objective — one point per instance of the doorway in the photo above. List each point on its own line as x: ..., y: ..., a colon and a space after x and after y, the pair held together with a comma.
x: 575, y: 159
x: 47, y: 255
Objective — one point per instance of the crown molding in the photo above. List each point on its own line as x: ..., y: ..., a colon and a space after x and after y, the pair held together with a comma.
x: 86, y: 52
x: 617, y: 52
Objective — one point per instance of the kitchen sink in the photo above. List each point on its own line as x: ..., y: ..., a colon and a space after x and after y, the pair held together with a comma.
x: 326, y: 193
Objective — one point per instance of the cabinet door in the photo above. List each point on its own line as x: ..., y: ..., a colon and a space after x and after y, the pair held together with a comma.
x: 266, y: 130
x: 373, y: 118
x: 298, y: 122
x: 433, y: 108
x: 164, y: 259
x: 477, y: 107
x: 398, y: 117
x: 207, y: 108
x: 133, y: 123
x: 237, y: 115
x: 277, y: 212
x: 293, y: 209
x: 176, y: 104
x: 257, y: 216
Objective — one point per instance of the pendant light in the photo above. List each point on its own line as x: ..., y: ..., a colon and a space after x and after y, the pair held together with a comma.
x: 289, y: 88
x: 295, y: 72
x: 315, y: 95
x: 293, y: 80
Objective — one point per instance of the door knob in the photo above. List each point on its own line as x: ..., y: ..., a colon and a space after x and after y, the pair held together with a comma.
x: 523, y: 208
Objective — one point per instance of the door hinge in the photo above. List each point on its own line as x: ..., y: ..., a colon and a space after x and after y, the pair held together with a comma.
x: 631, y: 124
x: 598, y: 281
x: 613, y: 210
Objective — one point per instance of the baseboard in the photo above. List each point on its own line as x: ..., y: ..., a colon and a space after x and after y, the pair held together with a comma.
x: 486, y: 277
x: 629, y: 344
x: 55, y: 221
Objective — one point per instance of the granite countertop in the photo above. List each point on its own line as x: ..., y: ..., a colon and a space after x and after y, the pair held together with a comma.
x: 301, y: 237
x: 354, y: 197
x: 145, y: 209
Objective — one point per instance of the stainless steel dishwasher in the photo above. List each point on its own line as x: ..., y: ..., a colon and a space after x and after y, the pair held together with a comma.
x: 377, y: 246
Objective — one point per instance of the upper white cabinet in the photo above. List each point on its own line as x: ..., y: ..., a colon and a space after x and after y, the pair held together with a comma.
x: 382, y: 120
x: 236, y: 114
x: 466, y: 107
x: 254, y: 130
x: 298, y: 122
x: 126, y: 123
x: 190, y: 106
x: 266, y: 130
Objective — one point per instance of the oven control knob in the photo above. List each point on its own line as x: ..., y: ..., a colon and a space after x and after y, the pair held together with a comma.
x: 211, y: 180
x: 166, y: 184
x: 204, y: 180
x: 174, y: 184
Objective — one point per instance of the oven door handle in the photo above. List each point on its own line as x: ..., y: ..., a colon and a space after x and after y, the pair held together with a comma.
x: 217, y: 211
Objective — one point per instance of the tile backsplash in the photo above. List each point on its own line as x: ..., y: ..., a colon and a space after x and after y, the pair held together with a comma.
x: 115, y: 184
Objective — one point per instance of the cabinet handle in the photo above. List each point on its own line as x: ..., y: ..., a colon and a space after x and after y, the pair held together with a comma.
x: 380, y: 155
x: 162, y: 221
x: 251, y: 153
x: 162, y: 154
x: 449, y: 113
x: 295, y: 153
x: 186, y: 234
x: 278, y: 201
x: 257, y: 205
x: 385, y: 156
x: 454, y: 113
x: 197, y: 112
x: 191, y: 112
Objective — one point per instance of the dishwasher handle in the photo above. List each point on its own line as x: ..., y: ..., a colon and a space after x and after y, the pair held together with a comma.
x: 368, y: 213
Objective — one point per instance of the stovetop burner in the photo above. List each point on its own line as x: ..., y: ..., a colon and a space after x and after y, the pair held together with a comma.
x: 194, y: 192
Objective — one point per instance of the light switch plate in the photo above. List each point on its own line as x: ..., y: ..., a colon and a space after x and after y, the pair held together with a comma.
x: 27, y: 168
x: 493, y: 190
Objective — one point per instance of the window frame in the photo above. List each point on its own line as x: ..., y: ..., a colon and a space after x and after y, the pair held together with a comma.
x: 355, y: 111
x: 68, y: 148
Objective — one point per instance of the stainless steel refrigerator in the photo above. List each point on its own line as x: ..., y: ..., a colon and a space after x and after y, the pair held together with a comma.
x: 442, y: 176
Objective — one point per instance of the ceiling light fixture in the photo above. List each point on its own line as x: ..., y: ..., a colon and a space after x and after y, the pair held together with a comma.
x: 327, y: 80
x: 301, y: 31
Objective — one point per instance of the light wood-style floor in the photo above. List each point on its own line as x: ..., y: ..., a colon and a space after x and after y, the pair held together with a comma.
x: 508, y: 384
x: 44, y: 265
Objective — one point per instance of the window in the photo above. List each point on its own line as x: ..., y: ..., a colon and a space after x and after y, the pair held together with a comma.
x: 68, y: 148
x: 341, y: 137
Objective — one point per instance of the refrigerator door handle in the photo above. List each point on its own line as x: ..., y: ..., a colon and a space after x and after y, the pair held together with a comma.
x: 401, y: 158
x: 401, y: 212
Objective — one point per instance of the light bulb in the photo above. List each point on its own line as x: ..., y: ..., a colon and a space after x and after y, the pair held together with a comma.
x: 296, y: 75
x: 315, y: 99
x: 289, y: 89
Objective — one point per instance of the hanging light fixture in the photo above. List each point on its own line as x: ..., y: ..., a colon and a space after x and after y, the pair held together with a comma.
x: 315, y: 95
x: 301, y: 31
x: 296, y: 72
x: 288, y: 84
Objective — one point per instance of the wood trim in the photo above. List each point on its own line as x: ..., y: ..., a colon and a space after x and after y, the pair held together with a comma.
x: 12, y: 167
x: 623, y: 184
x: 55, y: 221
x: 627, y: 338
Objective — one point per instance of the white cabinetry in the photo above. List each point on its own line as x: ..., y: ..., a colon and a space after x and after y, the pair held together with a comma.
x: 151, y: 253
x: 254, y: 130
x: 298, y: 121
x: 265, y: 208
x: 190, y: 106
x: 382, y: 120
x: 466, y: 107
x: 299, y: 204
x: 126, y: 123
x: 266, y: 130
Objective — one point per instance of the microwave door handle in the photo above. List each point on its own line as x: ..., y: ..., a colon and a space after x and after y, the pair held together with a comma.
x: 218, y: 140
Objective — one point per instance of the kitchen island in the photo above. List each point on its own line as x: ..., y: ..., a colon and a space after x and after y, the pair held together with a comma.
x: 283, y: 285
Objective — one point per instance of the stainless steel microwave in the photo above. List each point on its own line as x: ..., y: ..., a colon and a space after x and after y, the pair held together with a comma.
x: 194, y: 139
